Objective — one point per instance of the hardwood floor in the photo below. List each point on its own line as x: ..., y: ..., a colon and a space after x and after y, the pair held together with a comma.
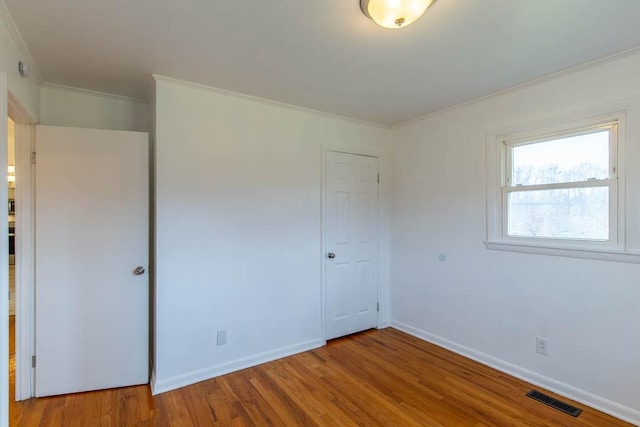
x: 374, y: 378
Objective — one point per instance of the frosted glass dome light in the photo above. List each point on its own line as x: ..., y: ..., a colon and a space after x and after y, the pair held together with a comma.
x: 394, y: 13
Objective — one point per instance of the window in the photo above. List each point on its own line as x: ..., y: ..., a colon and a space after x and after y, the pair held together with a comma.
x: 562, y: 189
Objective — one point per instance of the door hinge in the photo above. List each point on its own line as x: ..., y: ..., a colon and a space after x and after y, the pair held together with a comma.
x: 378, y: 178
x: 378, y: 306
x: 33, y: 361
x: 33, y: 157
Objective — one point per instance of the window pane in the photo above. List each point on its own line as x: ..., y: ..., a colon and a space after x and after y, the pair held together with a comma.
x: 570, y: 159
x: 574, y: 213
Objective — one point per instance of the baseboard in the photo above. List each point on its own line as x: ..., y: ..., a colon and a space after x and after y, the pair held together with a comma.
x: 193, y: 377
x: 597, y: 402
x: 384, y: 324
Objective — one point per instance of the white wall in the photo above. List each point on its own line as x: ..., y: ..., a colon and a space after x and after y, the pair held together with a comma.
x: 24, y: 89
x: 238, y: 241
x: 489, y: 304
x: 63, y: 106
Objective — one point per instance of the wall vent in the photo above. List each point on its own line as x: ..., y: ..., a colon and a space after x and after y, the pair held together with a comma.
x: 554, y: 403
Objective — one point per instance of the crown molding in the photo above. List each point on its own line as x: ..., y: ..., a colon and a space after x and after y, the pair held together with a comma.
x: 531, y: 83
x: 238, y: 95
x: 82, y: 91
x: 19, y: 41
x: 150, y: 92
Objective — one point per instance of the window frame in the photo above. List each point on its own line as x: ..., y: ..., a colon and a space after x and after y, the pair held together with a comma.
x: 613, y: 239
x: 623, y: 243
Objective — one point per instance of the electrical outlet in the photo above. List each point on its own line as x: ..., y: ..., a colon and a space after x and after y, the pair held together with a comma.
x: 222, y: 337
x: 542, y: 346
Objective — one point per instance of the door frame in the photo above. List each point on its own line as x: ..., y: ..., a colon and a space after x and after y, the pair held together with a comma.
x: 4, y: 254
x: 9, y: 107
x: 358, y: 151
x: 24, y: 246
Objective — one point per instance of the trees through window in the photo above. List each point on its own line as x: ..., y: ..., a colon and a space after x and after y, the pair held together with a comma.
x: 560, y: 187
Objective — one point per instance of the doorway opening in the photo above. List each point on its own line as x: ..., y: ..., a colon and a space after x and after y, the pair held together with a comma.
x: 18, y: 256
x: 11, y: 204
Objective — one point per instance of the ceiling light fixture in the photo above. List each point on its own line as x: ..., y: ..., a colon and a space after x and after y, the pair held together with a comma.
x: 394, y: 13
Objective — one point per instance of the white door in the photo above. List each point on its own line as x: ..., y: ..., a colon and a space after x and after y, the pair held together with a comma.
x: 351, y: 243
x: 91, y: 234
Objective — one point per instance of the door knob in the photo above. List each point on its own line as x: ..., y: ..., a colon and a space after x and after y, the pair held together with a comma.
x: 139, y: 271
x: 331, y: 255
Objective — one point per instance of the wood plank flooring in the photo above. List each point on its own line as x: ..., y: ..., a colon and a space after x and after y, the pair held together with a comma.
x: 384, y: 378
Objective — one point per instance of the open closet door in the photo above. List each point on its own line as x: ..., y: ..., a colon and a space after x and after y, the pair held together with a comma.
x: 92, y: 244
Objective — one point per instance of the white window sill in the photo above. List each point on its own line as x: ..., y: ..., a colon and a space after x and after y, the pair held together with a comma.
x: 603, y: 254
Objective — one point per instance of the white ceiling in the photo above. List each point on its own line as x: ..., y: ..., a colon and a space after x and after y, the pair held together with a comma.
x: 322, y: 54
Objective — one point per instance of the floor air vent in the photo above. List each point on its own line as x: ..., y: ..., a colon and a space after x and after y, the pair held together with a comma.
x: 554, y: 403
